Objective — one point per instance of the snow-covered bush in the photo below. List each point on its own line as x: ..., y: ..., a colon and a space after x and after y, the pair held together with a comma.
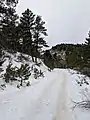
x: 28, y: 83
x: 17, y: 74
x: 10, y: 74
x: 82, y: 80
x: 23, y: 73
x: 38, y: 73
x: 85, y: 102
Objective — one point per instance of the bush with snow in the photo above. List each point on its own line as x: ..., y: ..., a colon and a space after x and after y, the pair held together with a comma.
x: 17, y: 74
x: 23, y: 73
x: 38, y: 73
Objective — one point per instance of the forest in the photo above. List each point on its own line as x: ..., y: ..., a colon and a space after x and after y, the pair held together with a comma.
x: 26, y: 34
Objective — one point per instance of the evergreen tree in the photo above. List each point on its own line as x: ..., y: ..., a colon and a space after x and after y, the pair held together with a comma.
x: 87, y: 51
x: 8, y: 18
x: 23, y: 73
x: 39, y: 32
x: 87, y: 42
x: 48, y: 59
x: 2, y: 14
x: 17, y: 74
x: 26, y: 27
x: 9, y: 74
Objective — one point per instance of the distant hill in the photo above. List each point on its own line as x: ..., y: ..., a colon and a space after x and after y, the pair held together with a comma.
x: 67, y: 56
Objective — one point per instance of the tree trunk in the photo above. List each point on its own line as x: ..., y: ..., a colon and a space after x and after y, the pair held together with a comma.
x: 35, y: 59
x: 21, y: 83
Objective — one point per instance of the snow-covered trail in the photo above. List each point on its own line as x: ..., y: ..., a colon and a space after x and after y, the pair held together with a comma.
x: 63, y: 109
x: 53, y: 101
x: 46, y: 100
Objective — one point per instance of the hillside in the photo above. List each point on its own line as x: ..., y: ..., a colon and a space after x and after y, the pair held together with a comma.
x: 18, y: 68
x: 74, y: 56
x: 54, y: 97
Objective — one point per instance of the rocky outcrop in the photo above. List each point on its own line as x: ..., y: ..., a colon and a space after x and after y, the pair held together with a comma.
x: 54, y: 58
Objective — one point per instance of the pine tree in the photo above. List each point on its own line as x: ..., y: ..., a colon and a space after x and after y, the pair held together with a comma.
x: 87, y: 51
x: 87, y: 42
x: 23, y: 73
x: 48, y: 59
x: 8, y: 18
x: 39, y: 32
x: 2, y: 14
x: 9, y: 74
x: 26, y: 27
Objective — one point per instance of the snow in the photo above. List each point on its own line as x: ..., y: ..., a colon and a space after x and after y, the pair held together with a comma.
x: 76, y: 94
x: 48, y: 98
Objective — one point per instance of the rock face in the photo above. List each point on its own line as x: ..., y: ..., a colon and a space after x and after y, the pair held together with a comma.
x: 55, y: 58
x: 67, y: 56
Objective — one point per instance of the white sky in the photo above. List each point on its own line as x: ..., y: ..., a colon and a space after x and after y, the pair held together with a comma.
x: 67, y: 21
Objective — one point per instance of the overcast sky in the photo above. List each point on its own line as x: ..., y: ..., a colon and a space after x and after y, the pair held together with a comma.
x: 67, y: 21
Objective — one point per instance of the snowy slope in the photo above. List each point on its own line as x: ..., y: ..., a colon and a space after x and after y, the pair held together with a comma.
x: 17, y: 59
x: 78, y: 93
x: 49, y: 98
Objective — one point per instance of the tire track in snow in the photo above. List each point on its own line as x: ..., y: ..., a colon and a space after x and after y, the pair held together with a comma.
x: 18, y: 108
x: 45, y: 105
x: 62, y: 108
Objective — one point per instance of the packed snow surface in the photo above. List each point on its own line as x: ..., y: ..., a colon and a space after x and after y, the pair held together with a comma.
x: 48, y: 98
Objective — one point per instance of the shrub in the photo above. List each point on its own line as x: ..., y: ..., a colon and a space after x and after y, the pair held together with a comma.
x: 23, y: 73
x: 17, y: 74
x: 38, y: 73
x: 10, y: 74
